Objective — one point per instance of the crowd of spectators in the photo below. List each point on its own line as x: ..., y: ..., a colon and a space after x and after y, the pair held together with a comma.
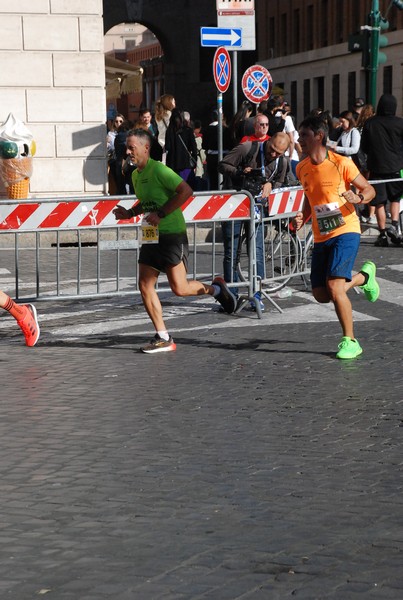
x: 371, y: 138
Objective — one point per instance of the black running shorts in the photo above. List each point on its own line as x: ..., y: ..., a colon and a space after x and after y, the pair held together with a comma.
x: 171, y: 250
x: 386, y: 191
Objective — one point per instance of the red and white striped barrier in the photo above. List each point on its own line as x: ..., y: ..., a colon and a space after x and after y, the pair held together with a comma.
x: 75, y: 214
x: 219, y: 207
x: 285, y: 200
x: 86, y: 213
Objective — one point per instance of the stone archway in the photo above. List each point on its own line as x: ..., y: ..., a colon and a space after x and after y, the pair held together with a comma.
x: 188, y: 67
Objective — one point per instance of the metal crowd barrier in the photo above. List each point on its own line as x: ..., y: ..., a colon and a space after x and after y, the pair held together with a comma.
x: 70, y: 248
x: 75, y: 245
x: 286, y: 251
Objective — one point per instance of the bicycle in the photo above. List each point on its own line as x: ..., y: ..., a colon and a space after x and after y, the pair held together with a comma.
x: 286, y: 252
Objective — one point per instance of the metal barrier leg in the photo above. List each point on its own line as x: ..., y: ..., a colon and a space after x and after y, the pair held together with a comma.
x: 272, y: 302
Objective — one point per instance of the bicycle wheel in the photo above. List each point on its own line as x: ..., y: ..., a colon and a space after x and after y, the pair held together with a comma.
x: 282, y: 255
x: 242, y: 258
x: 306, y: 244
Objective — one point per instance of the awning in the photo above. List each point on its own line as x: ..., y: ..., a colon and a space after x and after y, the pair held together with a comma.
x: 122, y: 77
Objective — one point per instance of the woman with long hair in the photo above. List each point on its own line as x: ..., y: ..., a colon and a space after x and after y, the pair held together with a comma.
x: 110, y: 148
x: 121, y: 154
x: 348, y: 142
x: 163, y: 111
x: 180, y: 145
x: 237, y: 125
x: 366, y: 112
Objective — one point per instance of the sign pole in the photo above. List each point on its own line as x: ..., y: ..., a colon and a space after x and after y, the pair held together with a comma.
x: 220, y: 144
x: 222, y: 78
x: 235, y: 80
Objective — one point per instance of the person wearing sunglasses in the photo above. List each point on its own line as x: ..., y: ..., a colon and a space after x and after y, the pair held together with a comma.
x: 261, y: 127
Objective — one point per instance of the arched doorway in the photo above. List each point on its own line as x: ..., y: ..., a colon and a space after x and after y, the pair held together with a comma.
x: 134, y: 65
x: 176, y: 25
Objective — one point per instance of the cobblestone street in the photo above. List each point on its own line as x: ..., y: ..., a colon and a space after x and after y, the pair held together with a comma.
x: 248, y: 464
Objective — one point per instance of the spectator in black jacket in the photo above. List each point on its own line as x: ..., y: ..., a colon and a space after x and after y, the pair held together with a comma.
x: 275, y: 115
x: 180, y: 145
x: 382, y: 141
x: 121, y: 153
x: 210, y: 145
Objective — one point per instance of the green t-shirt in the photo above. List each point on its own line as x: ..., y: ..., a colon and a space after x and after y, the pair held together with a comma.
x: 154, y: 186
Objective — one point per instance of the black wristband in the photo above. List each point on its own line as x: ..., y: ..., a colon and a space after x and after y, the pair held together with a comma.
x: 361, y: 197
x: 161, y: 213
x: 135, y: 211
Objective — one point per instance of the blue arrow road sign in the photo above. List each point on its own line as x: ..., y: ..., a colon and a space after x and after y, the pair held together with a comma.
x: 218, y: 36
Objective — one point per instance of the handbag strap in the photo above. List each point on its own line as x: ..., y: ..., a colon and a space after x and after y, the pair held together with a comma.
x: 186, y: 148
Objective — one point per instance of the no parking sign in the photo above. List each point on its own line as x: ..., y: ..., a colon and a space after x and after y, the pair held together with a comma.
x: 257, y: 84
x: 222, y: 69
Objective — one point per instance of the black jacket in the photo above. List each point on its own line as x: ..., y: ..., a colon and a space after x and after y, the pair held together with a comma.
x: 181, y: 149
x: 382, y: 138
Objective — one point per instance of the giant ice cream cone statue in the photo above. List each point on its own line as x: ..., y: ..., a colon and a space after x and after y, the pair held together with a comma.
x: 17, y: 148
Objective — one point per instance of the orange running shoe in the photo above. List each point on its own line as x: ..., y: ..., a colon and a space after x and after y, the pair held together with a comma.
x: 157, y: 344
x: 29, y: 325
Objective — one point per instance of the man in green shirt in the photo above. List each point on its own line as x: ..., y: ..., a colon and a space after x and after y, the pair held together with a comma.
x: 165, y: 247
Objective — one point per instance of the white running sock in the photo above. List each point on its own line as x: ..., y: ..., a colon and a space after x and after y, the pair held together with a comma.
x: 163, y: 335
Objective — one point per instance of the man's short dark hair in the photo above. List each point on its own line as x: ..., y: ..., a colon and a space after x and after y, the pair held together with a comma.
x: 316, y: 124
x: 141, y: 133
x: 142, y: 111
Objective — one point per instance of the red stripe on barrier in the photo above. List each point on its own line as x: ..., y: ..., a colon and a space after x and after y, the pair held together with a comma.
x: 188, y: 201
x: 243, y: 210
x: 283, y: 203
x: 211, y: 208
x: 299, y: 195
x: 20, y: 214
x: 58, y: 215
x: 98, y: 213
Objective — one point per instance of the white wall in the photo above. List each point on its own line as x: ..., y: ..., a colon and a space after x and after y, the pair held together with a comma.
x: 53, y: 79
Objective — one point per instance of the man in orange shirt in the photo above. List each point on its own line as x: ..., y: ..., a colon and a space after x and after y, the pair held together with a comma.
x: 327, y: 178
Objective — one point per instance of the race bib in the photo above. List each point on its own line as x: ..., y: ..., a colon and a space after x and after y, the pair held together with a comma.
x: 149, y: 233
x: 329, y: 217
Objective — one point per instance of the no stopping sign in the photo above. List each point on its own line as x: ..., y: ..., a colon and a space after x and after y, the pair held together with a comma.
x: 257, y: 84
x: 222, y: 69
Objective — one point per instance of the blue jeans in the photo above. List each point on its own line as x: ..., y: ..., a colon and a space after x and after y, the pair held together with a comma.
x: 231, y: 241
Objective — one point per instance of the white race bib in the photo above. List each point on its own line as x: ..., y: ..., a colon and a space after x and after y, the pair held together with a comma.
x: 329, y: 217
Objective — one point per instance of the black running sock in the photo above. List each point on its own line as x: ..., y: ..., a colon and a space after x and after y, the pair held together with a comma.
x: 395, y: 224
x: 366, y: 277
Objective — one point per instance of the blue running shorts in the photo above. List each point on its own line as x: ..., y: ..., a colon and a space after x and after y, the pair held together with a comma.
x: 334, y: 258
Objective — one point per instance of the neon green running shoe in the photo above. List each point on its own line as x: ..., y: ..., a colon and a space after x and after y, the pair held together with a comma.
x: 371, y: 288
x: 348, y: 348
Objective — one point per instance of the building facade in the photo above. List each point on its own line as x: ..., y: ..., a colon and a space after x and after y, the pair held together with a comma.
x: 53, y: 71
x: 53, y: 79
x: 304, y: 45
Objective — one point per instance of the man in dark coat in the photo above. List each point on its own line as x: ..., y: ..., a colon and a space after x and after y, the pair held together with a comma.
x: 382, y: 141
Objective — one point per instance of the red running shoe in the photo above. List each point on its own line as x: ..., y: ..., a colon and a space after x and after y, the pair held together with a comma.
x: 29, y: 325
